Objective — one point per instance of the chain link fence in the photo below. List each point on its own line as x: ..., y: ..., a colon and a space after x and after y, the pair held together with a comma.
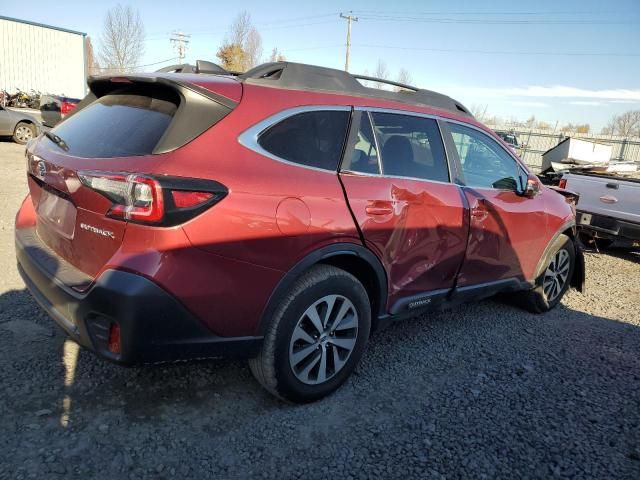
x: 536, y: 141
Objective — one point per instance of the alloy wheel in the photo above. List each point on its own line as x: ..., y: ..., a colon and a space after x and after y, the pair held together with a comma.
x: 556, y: 275
x: 23, y: 134
x: 323, y: 339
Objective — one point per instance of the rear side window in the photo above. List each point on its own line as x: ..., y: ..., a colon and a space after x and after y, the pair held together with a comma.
x: 117, y: 125
x: 411, y: 147
x: 314, y: 139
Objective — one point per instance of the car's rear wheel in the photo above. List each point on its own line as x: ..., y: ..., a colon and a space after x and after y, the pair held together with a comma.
x: 316, y: 336
x: 23, y: 132
x: 554, y: 280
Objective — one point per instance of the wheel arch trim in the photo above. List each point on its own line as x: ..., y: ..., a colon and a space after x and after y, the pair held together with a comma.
x: 316, y: 257
x: 550, y: 248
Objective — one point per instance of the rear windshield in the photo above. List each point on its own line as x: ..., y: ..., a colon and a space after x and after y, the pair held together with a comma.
x: 116, y: 125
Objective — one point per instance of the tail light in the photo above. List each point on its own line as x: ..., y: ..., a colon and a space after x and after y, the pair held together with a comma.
x: 66, y: 107
x: 562, y: 183
x: 158, y: 200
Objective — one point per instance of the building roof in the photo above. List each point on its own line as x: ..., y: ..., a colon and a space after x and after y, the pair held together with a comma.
x: 36, y: 24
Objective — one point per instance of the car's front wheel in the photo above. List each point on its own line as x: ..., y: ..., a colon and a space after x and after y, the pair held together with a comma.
x: 554, y: 280
x: 316, y: 336
x: 23, y: 132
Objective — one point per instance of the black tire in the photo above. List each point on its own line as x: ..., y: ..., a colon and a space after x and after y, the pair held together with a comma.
x: 273, y: 367
x: 20, y: 134
x: 536, y: 300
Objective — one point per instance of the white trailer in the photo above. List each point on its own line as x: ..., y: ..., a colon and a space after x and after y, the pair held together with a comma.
x: 41, y: 57
x: 577, y: 152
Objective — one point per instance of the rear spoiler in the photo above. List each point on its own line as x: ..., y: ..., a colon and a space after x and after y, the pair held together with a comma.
x: 198, y: 108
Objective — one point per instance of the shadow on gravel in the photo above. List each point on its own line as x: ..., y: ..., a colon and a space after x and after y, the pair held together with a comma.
x: 511, y: 390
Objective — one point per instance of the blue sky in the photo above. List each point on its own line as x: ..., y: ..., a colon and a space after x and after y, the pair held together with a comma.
x: 518, y: 58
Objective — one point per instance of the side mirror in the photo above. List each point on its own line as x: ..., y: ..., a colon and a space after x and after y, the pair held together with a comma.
x: 531, y: 188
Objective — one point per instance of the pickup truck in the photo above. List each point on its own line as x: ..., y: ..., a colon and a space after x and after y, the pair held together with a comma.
x: 609, y: 206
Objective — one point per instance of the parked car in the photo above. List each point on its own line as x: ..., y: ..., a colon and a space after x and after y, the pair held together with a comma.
x: 54, y: 108
x: 281, y: 216
x: 609, y: 207
x: 21, y: 126
x: 510, y: 138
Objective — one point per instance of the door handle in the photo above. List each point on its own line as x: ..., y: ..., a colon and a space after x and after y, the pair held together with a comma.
x: 608, y: 199
x: 378, y: 209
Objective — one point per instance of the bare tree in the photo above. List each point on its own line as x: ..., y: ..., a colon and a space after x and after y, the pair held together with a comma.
x: 479, y: 111
x: 92, y: 67
x: 242, y: 48
x: 122, y: 40
x: 382, y: 73
x: 626, y: 124
x: 403, y: 77
x: 253, y: 48
x: 277, y: 56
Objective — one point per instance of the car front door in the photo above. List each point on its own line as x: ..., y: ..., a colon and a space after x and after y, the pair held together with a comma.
x: 396, y: 180
x: 508, y: 230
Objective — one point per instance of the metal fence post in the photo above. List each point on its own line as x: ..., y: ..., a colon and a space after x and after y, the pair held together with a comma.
x: 622, y: 149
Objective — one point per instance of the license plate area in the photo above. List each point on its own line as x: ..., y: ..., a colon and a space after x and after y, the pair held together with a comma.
x: 57, y: 213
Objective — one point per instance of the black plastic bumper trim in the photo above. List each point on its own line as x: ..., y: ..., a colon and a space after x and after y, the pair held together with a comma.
x: 154, y: 326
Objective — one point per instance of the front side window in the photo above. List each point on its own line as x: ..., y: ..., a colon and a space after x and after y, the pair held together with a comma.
x: 411, y: 147
x: 314, y: 139
x: 485, y: 164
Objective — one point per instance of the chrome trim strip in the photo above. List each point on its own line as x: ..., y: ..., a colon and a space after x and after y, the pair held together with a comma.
x: 249, y: 138
x: 375, y: 141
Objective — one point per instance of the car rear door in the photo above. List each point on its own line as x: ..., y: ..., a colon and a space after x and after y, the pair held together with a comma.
x: 508, y: 231
x: 411, y: 216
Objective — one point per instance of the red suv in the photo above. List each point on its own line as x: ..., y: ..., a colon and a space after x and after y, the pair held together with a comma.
x: 280, y: 215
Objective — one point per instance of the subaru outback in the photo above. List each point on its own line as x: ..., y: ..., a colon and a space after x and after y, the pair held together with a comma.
x: 281, y: 216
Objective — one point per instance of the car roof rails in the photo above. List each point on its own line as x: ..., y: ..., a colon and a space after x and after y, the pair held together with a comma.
x: 300, y: 76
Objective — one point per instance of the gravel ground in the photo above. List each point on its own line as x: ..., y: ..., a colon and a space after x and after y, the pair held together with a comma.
x: 483, y: 391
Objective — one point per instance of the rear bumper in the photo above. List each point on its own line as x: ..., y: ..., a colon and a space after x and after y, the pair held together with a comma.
x: 608, y: 227
x: 154, y: 326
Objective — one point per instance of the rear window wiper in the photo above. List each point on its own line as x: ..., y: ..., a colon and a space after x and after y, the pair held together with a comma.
x: 57, y: 140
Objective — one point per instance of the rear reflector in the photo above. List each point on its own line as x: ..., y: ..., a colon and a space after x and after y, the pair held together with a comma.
x: 563, y: 183
x: 158, y: 200
x: 189, y: 199
x: 114, y: 338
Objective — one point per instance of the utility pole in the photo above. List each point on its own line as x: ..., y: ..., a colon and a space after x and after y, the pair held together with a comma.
x: 349, y: 19
x: 180, y: 41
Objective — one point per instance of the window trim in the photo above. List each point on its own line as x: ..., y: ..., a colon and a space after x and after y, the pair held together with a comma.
x: 249, y: 138
x: 520, y: 166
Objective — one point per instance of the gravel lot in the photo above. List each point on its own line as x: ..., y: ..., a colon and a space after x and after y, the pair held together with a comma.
x: 483, y: 391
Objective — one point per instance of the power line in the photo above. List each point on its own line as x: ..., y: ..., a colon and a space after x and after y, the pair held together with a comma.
x: 483, y: 21
x: 141, y: 66
x: 499, y: 52
x: 349, y: 19
x: 180, y: 41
